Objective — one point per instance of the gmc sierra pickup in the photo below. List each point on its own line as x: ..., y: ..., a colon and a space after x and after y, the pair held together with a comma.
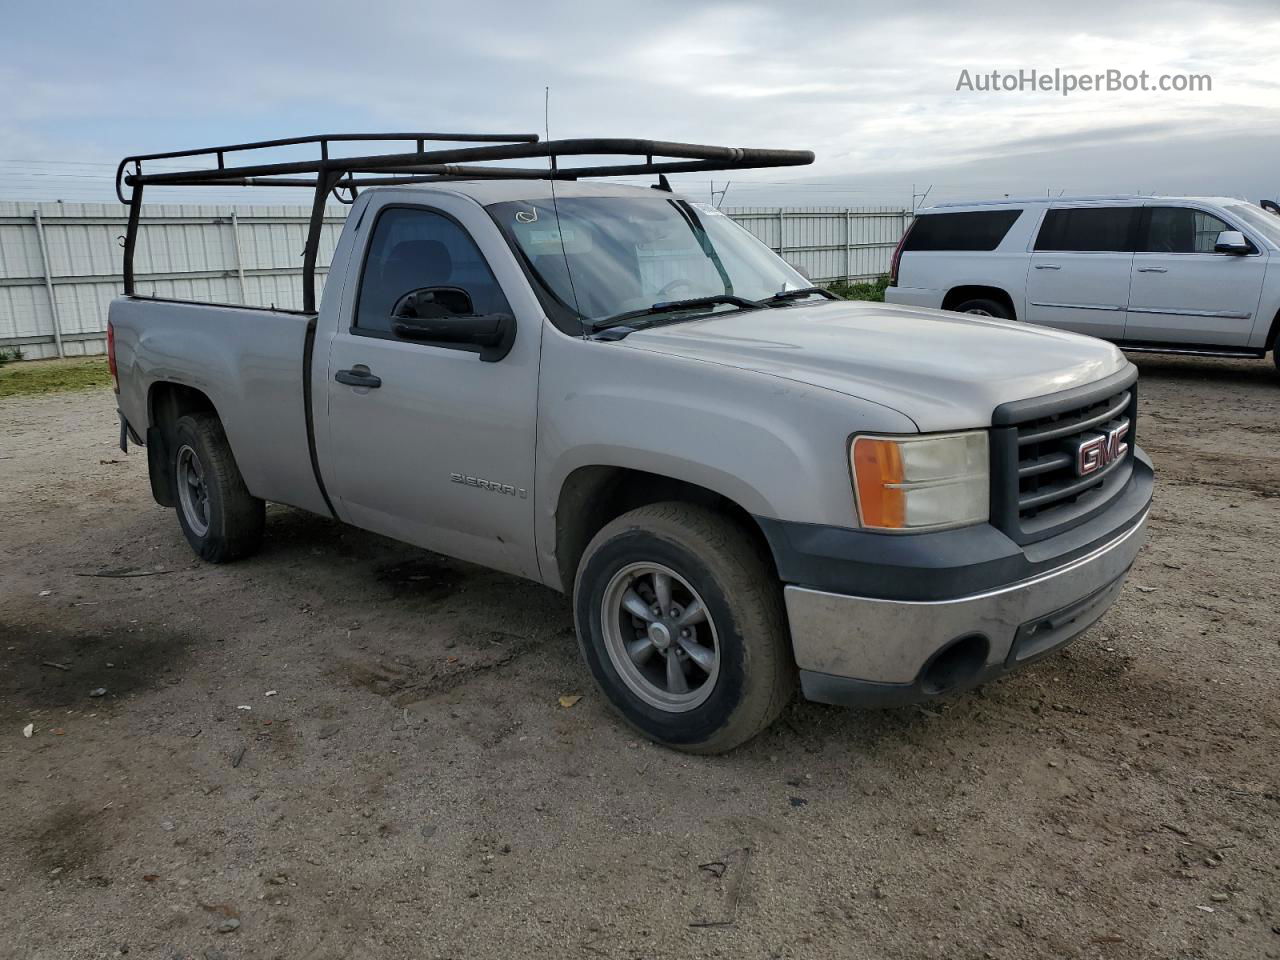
x: 621, y: 394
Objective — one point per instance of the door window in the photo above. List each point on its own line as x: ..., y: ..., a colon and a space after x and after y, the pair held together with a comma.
x: 1182, y: 230
x: 419, y: 251
x: 1089, y: 230
x: 976, y: 230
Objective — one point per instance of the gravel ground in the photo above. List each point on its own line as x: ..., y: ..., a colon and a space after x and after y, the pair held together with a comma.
x: 347, y: 748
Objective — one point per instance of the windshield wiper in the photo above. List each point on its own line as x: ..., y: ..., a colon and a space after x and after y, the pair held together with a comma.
x: 786, y: 296
x: 675, y: 306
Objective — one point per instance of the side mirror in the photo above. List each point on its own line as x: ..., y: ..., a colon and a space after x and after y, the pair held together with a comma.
x: 433, y: 302
x: 445, y: 315
x: 1232, y: 241
x: 493, y: 333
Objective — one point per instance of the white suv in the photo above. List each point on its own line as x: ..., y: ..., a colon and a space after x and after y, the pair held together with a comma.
x: 1165, y: 274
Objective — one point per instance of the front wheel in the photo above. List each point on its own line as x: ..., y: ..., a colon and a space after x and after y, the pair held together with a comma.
x: 220, y: 518
x: 681, y: 622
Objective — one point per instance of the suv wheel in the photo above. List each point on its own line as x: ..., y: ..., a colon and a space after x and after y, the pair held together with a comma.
x: 984, y: 307
x: 220, y: 518
x: 681, y: 622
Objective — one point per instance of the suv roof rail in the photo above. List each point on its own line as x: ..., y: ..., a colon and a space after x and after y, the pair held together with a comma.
x: 1063, y: 199
x: 1085, y: 198
x: 332, y: 174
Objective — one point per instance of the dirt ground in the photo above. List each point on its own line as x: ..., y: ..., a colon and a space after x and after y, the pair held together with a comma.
x: 347, y: 748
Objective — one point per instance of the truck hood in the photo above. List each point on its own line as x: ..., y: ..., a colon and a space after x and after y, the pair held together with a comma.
x: 946, y: 371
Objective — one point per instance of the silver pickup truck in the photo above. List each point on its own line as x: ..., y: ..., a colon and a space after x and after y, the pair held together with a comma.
x: 621, y: 394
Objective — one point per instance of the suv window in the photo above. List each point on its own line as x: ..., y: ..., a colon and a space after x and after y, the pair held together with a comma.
x: 413, y: 248
x: 1182, y: 230
x: 980, y: 230
x: 1089, y: 229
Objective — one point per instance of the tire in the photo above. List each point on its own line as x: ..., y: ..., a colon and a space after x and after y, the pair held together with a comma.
x: 220, y: 518
x: 985, y: 307
x: 713, y: 564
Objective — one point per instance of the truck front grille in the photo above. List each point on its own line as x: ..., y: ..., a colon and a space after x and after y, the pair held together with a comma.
x: 1038, y: 488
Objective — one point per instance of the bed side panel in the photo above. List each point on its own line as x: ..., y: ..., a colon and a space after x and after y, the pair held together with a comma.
x: 249, y: 363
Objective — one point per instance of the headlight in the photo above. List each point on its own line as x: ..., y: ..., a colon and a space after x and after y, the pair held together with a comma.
x: 919, y: 483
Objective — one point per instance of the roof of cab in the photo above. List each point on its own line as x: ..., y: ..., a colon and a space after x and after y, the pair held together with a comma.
x: 486, y: 192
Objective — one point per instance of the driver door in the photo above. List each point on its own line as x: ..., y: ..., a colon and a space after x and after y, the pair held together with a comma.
x: 428, y: 443
x: 1183, y: 291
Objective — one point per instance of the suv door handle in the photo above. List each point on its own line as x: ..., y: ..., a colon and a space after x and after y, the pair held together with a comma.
x: 358, y: 377
x: 1047, y: 266
x: 1153, y: 269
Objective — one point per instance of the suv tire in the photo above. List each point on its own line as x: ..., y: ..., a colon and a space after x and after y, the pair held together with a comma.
x: 984, y: 307
x: 723, y: 623
x: 220, y: 518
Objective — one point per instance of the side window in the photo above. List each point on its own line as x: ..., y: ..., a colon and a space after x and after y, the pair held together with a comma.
x: 1182, y: 230
x: 1089, y: 229
x: 418, y: 250
x: 978, y: 230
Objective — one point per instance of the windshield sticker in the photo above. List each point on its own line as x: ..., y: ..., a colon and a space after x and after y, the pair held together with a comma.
x: 708, y: 209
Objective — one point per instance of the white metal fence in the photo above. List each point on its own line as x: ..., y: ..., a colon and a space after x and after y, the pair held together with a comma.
x: 829, y: 243
x: 60, y: 262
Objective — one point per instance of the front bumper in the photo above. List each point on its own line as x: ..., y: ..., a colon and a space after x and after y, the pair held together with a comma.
x: 866, y: 651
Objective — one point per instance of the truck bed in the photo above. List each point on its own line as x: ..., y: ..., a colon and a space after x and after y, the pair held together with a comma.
x: 251, y: 365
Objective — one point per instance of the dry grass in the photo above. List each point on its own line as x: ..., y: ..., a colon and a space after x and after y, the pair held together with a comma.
x: 51, y: 376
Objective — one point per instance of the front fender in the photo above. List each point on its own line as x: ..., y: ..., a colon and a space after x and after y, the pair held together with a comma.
x: 775, y: 447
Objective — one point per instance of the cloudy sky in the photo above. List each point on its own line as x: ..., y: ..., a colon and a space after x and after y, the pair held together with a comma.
x: 870, y: 87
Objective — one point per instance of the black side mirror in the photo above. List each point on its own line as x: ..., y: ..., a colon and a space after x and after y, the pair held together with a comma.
x: 445, y: 315
x: 428, y: 302
x: 493, y: 333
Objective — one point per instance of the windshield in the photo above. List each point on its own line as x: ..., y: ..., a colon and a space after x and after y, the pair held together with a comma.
x: 1266, y: 223
x: 622, y: 254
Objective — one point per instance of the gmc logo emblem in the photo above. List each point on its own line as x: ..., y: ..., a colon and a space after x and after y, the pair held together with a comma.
x: 1095, y: 452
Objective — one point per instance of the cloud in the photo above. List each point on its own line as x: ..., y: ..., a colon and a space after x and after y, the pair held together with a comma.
x: 868, y: 86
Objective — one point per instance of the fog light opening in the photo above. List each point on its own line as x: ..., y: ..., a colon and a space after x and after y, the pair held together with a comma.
x: 954, y: 665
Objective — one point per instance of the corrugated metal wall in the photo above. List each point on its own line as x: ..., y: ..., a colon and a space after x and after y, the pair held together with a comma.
x: 829, y: 243
x: 252, y: 255
x: 243, y: 254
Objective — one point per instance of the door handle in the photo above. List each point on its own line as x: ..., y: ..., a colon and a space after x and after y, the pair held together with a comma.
x: 1047, y: 266
x: 1153, y: 269
x: 358, y: 377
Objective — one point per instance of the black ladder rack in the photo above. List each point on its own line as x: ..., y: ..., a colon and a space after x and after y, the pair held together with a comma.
x: 332, y: 175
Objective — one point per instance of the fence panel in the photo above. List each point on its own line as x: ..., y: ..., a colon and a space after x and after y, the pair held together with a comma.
x: 829, y: 243
x: 252, y: 255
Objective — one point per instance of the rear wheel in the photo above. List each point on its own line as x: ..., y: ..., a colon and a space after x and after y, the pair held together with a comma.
x: 681, y: 622
x: 220, y: 518
x: 984, y: 307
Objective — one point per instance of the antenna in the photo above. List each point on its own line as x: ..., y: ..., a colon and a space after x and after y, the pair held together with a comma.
x: 555, y: 207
